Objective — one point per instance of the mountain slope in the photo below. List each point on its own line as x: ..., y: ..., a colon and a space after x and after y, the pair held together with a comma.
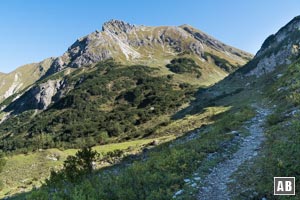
x: 151, y: 46
x: 122, y: 83
x: 22, y: 77
x: 130, y: 44
x: 177, y: 169
x: 84, y: 82
x: 122, y: 104
x: 280, y: 152
x: 271, y: 81
x: 278, y: 49
x: 274, y: 57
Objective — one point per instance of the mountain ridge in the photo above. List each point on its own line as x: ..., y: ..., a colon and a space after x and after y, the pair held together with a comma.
x: 131, y: 42
x: 139, y: 44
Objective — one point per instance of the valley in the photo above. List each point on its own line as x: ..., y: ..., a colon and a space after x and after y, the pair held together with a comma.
x: 174, y: 114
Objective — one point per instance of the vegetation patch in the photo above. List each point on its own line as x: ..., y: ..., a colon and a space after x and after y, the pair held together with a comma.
x: 134, y: 96
x: 23, y: 172
x: 184, y: 65
x: 158, y: 175
x: 220, y: 62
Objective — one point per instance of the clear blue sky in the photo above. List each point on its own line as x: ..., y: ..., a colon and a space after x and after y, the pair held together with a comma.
x: 32, y: 30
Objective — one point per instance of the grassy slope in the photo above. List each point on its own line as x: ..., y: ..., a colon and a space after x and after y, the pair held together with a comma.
x: 36, y: 166
x: 280, y: 152
x: 174, y: 161
x: 24, y: 171
x: 183, y: 152
x: 168, y: 168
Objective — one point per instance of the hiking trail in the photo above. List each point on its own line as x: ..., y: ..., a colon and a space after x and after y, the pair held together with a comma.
x: 215, y: 184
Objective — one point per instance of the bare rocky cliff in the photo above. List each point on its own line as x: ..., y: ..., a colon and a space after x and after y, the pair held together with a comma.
x: 38, y: 97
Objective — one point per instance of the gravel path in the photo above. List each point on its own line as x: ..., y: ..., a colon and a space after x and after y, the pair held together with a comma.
x: 215, y: 184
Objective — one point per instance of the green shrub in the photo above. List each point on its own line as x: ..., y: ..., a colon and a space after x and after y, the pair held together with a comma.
x: 220, y: 62
x: 273, y: 119
x: 75, y: 167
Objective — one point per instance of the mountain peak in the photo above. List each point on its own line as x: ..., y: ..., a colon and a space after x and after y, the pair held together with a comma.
x: 128, y: 43
x: 117, y: 26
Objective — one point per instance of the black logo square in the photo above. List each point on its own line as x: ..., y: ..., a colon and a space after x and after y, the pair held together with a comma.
x: 284, y: 185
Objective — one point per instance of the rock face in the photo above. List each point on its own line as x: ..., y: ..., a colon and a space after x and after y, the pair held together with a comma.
x: 213, y: 43
x: 128, y: 43
x: 278, y: 49
x: 38, y: 97
x: 44, y: 93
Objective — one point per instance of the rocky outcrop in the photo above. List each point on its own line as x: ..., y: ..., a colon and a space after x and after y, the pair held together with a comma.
x: 44, y: 94
x: 269, y: 63
x: 38, y: 97
x: 57, y: 65
x: 81, y: 52
x: 278, y: 49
